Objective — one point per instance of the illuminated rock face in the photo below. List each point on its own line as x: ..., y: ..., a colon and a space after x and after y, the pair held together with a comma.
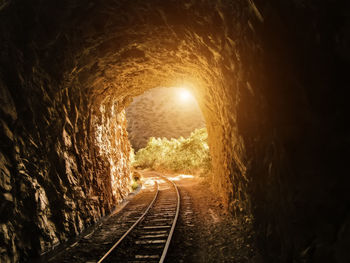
x: 64, y: 164
x: 269, y: 78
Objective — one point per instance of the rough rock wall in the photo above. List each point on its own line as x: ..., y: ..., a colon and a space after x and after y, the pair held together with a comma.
x: 111, y: 138
x: 54, y: 178
x: 269, y: 77
x: 284, y: 138
x: 161, y: 112
x: 295, y: 139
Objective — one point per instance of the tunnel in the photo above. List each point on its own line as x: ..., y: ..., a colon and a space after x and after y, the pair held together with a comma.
x: 270, y: 78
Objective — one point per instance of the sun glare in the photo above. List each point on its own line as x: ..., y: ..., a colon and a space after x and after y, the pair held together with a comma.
x: 184, y: 95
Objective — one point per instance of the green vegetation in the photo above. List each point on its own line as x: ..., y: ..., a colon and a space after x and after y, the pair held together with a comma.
x: 136, y: 181
x: 134, y: 185
x: 180, y: 155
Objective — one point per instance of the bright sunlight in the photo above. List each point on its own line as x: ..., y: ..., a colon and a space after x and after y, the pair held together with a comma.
x: 185, y: 95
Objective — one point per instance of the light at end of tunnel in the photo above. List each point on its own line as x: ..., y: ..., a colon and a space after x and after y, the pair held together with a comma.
x: 184, y: 94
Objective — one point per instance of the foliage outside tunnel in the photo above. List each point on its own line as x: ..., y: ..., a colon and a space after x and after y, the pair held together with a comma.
x: 179, y: 155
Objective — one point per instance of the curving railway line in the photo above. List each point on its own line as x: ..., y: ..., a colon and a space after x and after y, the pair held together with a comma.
x: 149, y: 237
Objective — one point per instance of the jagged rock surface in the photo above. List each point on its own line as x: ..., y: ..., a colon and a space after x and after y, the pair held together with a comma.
x: 64, y: 164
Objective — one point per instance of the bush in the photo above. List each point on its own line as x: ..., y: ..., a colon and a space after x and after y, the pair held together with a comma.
x: 135, y: 180
x: 180, y: 155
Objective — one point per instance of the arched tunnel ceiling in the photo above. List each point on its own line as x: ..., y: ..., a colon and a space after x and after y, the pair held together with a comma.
x: 150, y: 46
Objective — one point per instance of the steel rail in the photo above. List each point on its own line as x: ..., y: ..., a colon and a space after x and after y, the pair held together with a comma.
x: 167, y: 244
x: 131, y: 228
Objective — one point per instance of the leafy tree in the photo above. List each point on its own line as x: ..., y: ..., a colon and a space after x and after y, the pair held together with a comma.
x: 180, y: 155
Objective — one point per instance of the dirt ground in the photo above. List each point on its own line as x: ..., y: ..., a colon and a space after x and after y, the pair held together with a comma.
x: 205, y: 232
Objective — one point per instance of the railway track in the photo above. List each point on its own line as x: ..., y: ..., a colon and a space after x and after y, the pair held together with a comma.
x: 149, y: 237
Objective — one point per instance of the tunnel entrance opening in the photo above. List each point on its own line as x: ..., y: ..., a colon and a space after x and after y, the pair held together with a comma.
x: 167, y: 131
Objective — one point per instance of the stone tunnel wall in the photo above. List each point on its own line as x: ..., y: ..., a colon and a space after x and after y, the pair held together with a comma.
x: 57, y: 175
x: 63, y: 166
x: 295, y: 141
x: 111, y: 138
x: 270, y: 81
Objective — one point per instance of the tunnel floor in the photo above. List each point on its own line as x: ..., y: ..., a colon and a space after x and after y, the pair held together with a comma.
x: 210, y: 235
x: 204, y: 231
